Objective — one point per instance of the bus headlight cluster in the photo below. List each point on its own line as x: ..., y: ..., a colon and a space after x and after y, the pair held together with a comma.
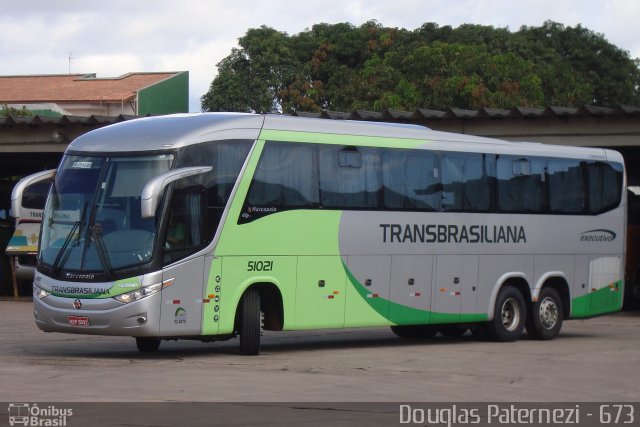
x: 139, y: 293
x: 143, y: 292
x: 39, y: 292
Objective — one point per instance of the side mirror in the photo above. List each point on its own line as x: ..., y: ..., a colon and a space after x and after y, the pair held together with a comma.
x: 152, y: 189
x: 18, y: 189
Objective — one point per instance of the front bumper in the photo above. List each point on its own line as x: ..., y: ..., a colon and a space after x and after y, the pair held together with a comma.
x: 105, y: 316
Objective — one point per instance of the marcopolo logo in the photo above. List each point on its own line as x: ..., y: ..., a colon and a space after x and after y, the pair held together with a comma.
x: 26, y: 414
x: 600, y: 235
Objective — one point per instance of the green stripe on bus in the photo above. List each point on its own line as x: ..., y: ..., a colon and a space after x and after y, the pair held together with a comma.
x: 404, y: 315
x: 357, y: 140
x: 604, y: 300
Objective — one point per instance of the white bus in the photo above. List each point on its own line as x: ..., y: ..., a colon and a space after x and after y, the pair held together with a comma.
x: 27, y: 205
x: 211, y: 226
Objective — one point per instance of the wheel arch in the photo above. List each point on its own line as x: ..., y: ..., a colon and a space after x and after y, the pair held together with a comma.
x: 271, y: 304
x: 557, y: 281
x: 515, y: 279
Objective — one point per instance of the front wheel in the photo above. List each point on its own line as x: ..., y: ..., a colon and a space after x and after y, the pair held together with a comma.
x: 250, y: 323
x: 509, y: 316
x: 545, y: 320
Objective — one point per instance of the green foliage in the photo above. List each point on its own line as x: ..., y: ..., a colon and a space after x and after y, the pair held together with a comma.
x: 341, y: 67
x: 15, y: 112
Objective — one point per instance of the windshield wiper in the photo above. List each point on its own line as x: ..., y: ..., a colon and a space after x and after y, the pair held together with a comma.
x: 96, y: 234
x: 55, y: 267
x: 57, y: 263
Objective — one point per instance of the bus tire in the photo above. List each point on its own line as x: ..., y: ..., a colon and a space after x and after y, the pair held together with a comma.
x: 147, y: 345
x: 545, y: 320
x: 509, y: 316
x: 414, y: 331
x: 250, y: 323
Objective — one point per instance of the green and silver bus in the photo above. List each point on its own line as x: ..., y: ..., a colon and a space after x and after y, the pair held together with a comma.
x: 212, y: 226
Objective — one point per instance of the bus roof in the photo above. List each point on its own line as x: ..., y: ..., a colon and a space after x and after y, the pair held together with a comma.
x: 177, y: 130
x: 163, y: 132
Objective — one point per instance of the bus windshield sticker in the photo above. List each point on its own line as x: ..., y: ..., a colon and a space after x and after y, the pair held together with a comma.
x: 81, y: 165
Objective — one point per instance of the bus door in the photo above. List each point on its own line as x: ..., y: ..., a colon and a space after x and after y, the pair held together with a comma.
x: 455, y: 288
x: 182, y: 300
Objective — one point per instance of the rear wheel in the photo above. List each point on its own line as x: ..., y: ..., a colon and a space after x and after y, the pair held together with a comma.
x: 250, y: 323
x: 545, y: 320
x: 147, y: 345
x: 509, y: 316
x: 415, y: 331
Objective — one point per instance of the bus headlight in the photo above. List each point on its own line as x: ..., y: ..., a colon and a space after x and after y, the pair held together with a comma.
x: 39, y: 292
x: 139, y: 293
x: 143, y: 292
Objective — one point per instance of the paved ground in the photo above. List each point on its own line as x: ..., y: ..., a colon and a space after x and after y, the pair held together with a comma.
x: 592, y: 360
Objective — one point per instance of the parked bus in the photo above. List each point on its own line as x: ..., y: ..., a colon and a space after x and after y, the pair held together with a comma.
x: 632, y: 259
x: 212, y: 226
x: 27, y: 205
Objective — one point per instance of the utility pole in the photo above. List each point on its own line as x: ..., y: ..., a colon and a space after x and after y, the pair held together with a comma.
x: 70, y: 59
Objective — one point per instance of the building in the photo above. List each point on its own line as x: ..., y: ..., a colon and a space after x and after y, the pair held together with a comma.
x: 68, y: 105
x: 63, y: 107
x: 138, y: 94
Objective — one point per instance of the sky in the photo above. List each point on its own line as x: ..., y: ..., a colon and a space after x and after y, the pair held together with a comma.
x: 114, y: 37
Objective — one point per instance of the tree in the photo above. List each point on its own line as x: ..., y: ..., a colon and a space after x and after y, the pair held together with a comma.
x: 372, y: 67
x: 250, y: 78
x: 598, y: 72
x: 16, y: 112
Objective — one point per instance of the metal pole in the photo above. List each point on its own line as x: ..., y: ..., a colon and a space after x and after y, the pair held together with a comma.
x: 14, y: 281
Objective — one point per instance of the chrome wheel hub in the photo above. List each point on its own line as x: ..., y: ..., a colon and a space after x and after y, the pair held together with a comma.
x: 510, y: 314
x: 548, y: 313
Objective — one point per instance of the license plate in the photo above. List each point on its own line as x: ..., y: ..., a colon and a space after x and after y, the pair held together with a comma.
x: 78, y: 321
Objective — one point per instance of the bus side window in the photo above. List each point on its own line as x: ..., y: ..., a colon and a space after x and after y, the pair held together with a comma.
x: 521, y: 167
x: 350, y: 177
x: 411, y: 180
x: 567, y: 186
x: 226, y: 157
x: 185, y: 228
x: 350, y: 157
x: 286, y: 177
x: 467, y: 182
x: 521, y: 184
x: 605, y: 186
x: 35, y: 195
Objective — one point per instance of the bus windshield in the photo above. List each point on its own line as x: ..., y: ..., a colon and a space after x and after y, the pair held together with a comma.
x: 93, y: 221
